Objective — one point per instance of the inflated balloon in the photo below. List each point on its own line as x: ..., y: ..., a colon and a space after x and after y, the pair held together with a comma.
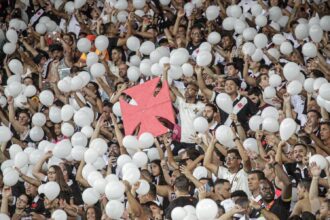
x: 179, y: 57
x: 92, y: 176
x: 36, y: 134
x: 260, y: 40
x: 123, y: 159
x: 121, y: 4
x: 269, y: 92
x: 87, y: 131
x: 261, y: 20
x: 14, y: 89
x: 249, y: 33
x: 256, y: 9
x: 287, y: 128
x: 224, y: 134
x: 144, y: 187
x: 145, y: 67
x: 291, y: 71
x: 316, y: 33
x: 79, y: 3
x: 318, y: 82
x: 212, y: 12
x: 130, y: 141
x: 97, y: 70
x: 55, y: 114
x: 140, y: 159
x: 283, y: 21
x: 78, y: 152
x: 319, y: 160
x: 114, y: 190
x: 278, y: 39
x: 240, y: 26
x: 114, y: 209
x: 251, y: 145
x: 135, y: 60
x: 275, y: 80
x: 270, y: 125
x: 236, y: 11
x: 187, y: 69
x: 147, y: 47
x: 206, y: 209
x: 165, y: 2
x: 133, y: 43
x: 200, y: 172
x: 139, y: 4
x: 225, y: 103
x: 153, y: 154
x: 175, y: 72
x: 122, y: 16
x: 4, y: 216
x: 92, y: 58
x: 248, y: 48
x: 308, y: 85
x: 214, y: 38
x: 46, y: 97
x: 59, y: 214
x: 275, y: 13
x: 156, y: 69
x: 200, y: 124
x: 84, y: 45
x: 12, y: 36
x: 62, y: 149
x: 274, y: 53
x: 30, y: 91
x: 294, y: 87
x: 9, y: 48
x: 228, y: 23
x: 10, y: 178
x: 90, y: 196
x: 16, y: 66
x: 67, y: 112
x: 155, y: 56
x: 309, y: 50
x: 21, y: 159
x: 286, y: 48
x: 20, y: 101
x: 116, y: 109
x: 51, y: 190
x: 257, y: 55
x: 39, y: 119
x: 99, y: 145
x: 178, y: 213
x: 301, y: 31
x: 325, y: 23
x: 320, y: 101
x: 324, y: 91
x: 64, y: 86
x: 77, y: 83
x: 90, y: 156
x: 204, y: 58
x: 99, y: 185
x: 270, y: 112
x: 13, y: 150
x: 67, y: 129
x: 146, y: 140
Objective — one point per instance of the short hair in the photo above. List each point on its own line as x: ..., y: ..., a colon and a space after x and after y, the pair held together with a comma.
x: 242, y: 201
x: 182, y: 183
x: 55, y: 46
x: 234, y: 151
x: 259, y: 174
x: 316, y: 112
x: 305, y: 183
x: 239, y: 193
x: 254, y: 91
x: 232, y: 64
x: 214, y: 108
x: 221, y: 181
x: 300, y: 144
x: 193, y: 84
x: 192, y: 153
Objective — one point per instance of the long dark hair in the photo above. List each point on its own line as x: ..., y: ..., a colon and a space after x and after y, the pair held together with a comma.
x: 161, y: 175
x: 60, y: 179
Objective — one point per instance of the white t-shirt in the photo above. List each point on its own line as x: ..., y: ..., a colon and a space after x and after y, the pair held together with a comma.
x: 188, y: 112
x: 238, y: 181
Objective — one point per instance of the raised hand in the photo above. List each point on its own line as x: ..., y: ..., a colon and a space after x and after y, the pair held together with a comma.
x: 315, y: 169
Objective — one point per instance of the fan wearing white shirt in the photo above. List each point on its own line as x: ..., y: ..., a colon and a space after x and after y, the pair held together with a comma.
x: 233, y: 172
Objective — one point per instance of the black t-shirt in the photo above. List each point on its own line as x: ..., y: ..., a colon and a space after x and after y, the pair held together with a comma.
x: 191, y: 47
x: 37, y: 205
x: 281, y: 208
x: 180, y: 202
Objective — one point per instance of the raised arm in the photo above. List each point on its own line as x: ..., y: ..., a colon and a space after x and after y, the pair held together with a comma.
x: 245, y: 158
x: 208, y: 157
x: 287, y: 185
x: 37, y: 173
x: 119, y: 135
x: 19, y: 128
x: 314, y: 188
x: 201, y: 84
x: 248, y: 79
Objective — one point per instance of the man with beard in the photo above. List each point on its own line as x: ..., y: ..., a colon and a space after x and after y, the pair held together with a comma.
x: 196, y: 37
x: 256, y: 97
x: 113, y: 154
x: 210, y: 113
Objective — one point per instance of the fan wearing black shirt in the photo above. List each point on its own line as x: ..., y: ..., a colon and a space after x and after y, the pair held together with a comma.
x: 183, y: 198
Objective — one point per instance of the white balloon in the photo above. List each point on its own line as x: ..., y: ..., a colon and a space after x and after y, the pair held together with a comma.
x: 39, y: 119
x: 10, y: 178
x: 77, y: 83
x: 179, y: 56
x: 9, y: 48
x: 91, y: 58
x: 325, y: 23
x: 15, y: 88
x: 187, y: 69
x: 204, y: 58
x: 69, y: 7
x: 324, y: 91
x: 132, y: 175
x: 155, y: 56
x: 291, y: 71
x: 240, y: 26
x: 30, y: 91
x: 224, y: 102
x: 146, y: 140
x: 55, y: 114
x: 283, y: 21
x: 4, y: 216
x: 114, y: 190
x: 256, y: 9
x: 62, y: 149
x: 90, y: 196
x: 206, y: 209
x: 79, y: 3
x: 270, y: 112
x: 214, y: 38
x: 248, y: 48
x: 301, y: 31
x: 59, y: 214
x: 278, y: 39
x: 81, y: 119
x: 175, y: 72
x: 275, y: 13
x: 286, y: 48
x: 269, y: 92
x: 319, y: 160
x: 275, y: 80
x: 261, y: 20
x: 101, y: 42
x: 178, y: 213
x: 51, y: 190
x: 294, y: 87
x: 153, y: 154
x: 144, y: 187
x: 84, y: 45
x: 274, y: 53
x: 13, y: 150
x: 114, y: 209
x: 121, y: 4
x: 156, y: 69
x: 287, y: 128
x: 139, y: 4
x: 79, y: 139
x: 87, y: 131
x: 165, y: 2
x: 90, y: 156
x: 99, y: 145
x: 260, y: 40
x: 133, y: 43
x: 318, y: 82
x: 308, y: 85
x: 212, y: 12
x: 309, y: 50
x: 316, y: 33
x: 36, y: 134
x: 116, y: 109
x: 140, y: 159
x: 224, y: 134
x: 64, y: 86
x: 200, y: 172
x: 21, y: 159
x: 46, y: 97
x: 200, y: 124
x: 251, y: 145
x: 67, y: 129
x: 77, y: 153
x: 249, y: 33
x: 257, y: 55
x: 97, y: 70
x: 12, y: 36
x: 236, y: 11
x: 130, y: 142
x: 228, y: 23
x: 270, y: 124
x: 123, y: 159
x: 145, y: 67
x: 92, y: 176
x: 67, y: 112
x: 147, y: 47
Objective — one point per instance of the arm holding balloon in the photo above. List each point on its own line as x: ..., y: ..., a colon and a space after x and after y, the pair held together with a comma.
x: 6, y: 194
x: 287, y: 185
x: 242, y: 152
x: 3, y: 118
x: 201, y: 84
x: 240, y: 130
x: 79, y: 177
x: 19, y: 128
x: 318, y: 141
x: 324, y: 114
x: 159, y: 149
x: 134, y: 205
x: 3, y: 153
x: 261, y: 149
x: 118, y: 134
x: 208, y: 157
x: 314, y: 188
x: 287, y: 105
x: 167, y: 177
x: 170, y: 157
x: 185, y: 171
x: 37, y: 168
x: 248, y: 79
x: 27, y: 178
x: 104, y: 86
